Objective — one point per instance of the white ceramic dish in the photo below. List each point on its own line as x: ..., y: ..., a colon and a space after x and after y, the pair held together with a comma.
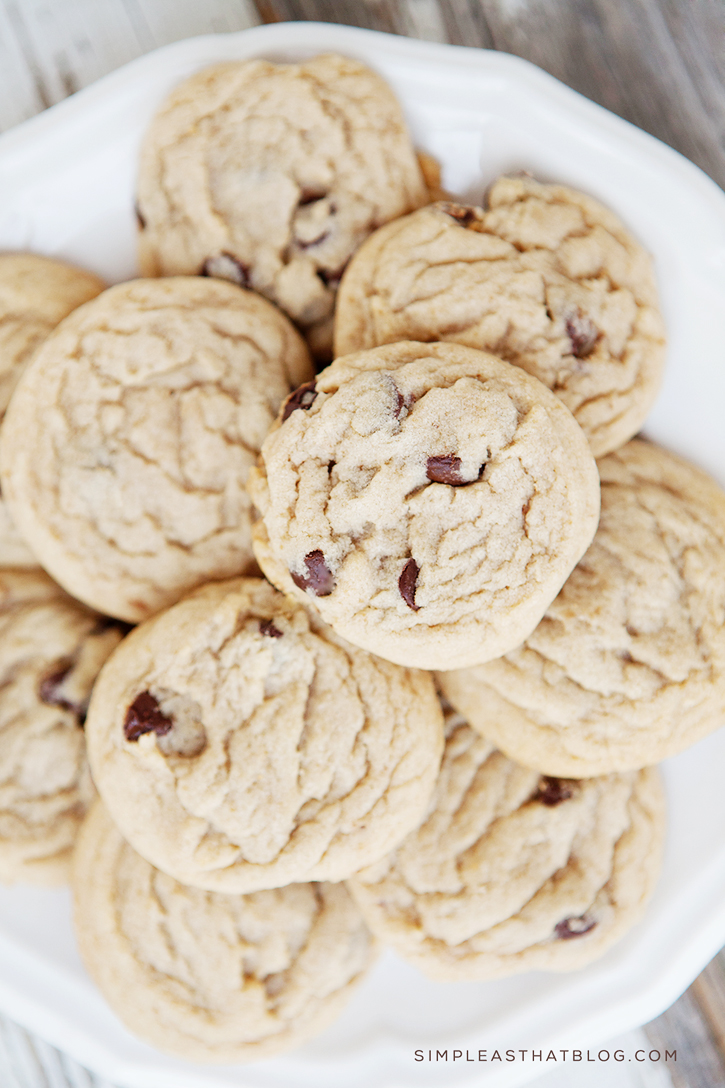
x: 66, y: 179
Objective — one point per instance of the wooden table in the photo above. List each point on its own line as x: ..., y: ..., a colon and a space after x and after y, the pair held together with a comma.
x: 659, y: 63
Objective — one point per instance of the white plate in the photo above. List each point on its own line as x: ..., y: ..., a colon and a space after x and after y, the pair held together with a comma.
x: 66, y: 181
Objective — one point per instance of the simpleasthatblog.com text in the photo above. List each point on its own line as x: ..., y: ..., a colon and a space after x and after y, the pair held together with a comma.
x: 543, y: 1056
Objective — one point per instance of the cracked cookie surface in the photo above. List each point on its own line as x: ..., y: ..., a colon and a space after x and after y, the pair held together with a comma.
x: 628, y: 665
x: 545, y: 277
x: 512, y: 871
x: 240, y: 744
x: 272, y: 176
x: 51, y: 649
x: 428, y: 500
x: 147, y: 407
x: 210, y: 977
x: 36, y: 293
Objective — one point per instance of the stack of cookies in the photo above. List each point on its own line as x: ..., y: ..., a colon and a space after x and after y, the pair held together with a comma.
x: 412, y: 630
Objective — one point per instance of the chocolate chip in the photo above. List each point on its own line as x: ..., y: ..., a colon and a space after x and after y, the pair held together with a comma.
x: 552, y: 791
x: 140, y: 219
x: 144, y: 716
x: 403, y: 404
x: 301, y: 398
x: 445, y: 469
x: 574, y: 927
x: 310, y: 195
x: 464, y: 214
x: 50, y: 690
x: 225, y: 266
x: 582, y: 333
x: 268, y: 628
x: 318, y: 577
x: 407, y: 583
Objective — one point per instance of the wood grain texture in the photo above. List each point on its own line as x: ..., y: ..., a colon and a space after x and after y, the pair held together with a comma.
x: 684, y: 1028
x: 29, y: 1062
x: 708, y: 990
x: 657, y: 63
x: 51, y: 48
x: 650, y: 61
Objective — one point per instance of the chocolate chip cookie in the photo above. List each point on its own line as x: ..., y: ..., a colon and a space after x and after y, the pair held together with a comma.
x: 128, y: 441
x: 271, y: 175
x: 14, y: 552
x: 51, y: 649
x: 209, y: 977
x: 513, y: 871
x: 429, y: 500
x: 628, y: 665
x: 35, y: 294
x: 546, y: 278
x: 239, y: 744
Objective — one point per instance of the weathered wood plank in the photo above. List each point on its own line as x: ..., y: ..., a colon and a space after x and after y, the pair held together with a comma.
x: 424, y: 20
x: 51, y: 48
x: 374, y: 14
x: 466, y: 23
x: 708, y: 990
x: 684, y: 1028
x: 164, y: 22
x: 658, y: 63
x: 22, y: 89
x: 68, y: 46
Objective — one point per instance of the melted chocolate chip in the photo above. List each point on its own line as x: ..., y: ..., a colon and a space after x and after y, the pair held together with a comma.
x: 140, y: 219
x: 583, y: 334
x: 445, y: 469
x: 268, y: 628
x: 50, y: 690
x: 403, y: 404
x: 301, y: 398
x: 464, y: 214
x: 574, y: 927
x: 552, y: 791
x: 310, y: 195
x: 407, y: 583
x: 225, y: 266
x: 144, y: 716
x: 318, y: 578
